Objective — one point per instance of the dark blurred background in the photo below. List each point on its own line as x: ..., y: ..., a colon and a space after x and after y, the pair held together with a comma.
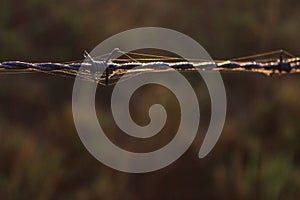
x: 42, y: 157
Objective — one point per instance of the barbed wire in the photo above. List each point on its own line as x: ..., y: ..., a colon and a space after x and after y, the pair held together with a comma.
x: 114, y: 68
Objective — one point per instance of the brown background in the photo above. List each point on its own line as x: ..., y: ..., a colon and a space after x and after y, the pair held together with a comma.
x: 42, y: 157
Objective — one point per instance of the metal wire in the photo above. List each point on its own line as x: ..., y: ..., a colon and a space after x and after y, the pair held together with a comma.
x: 118, y: 67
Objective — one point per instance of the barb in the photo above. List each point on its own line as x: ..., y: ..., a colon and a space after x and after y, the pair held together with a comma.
x: 114, y: 68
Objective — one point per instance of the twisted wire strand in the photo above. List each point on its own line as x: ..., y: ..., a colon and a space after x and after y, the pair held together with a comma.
x: 128, y: 67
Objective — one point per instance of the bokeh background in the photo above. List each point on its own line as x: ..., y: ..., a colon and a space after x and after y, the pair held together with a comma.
x: 42, y: 157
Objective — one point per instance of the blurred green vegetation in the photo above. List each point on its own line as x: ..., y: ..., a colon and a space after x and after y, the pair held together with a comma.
x: 41, y: 156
